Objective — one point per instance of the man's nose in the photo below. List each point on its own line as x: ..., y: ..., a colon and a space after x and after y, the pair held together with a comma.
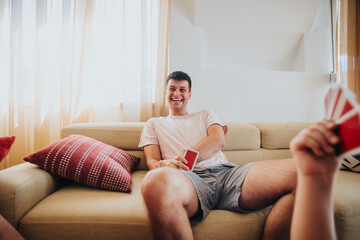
x: 177, y: 92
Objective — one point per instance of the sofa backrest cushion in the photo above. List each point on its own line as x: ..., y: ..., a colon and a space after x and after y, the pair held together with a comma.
x: 123, y: 135
x: 244, y: 142
x: 126, y: 135
x: 241, y: 136
x: 278, y: 135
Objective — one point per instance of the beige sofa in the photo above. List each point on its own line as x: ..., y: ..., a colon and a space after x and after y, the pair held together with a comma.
x: 44, y: 206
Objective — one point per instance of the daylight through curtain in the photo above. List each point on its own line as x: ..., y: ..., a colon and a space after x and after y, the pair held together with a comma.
x: 66, y: 61
x: 348, y: 45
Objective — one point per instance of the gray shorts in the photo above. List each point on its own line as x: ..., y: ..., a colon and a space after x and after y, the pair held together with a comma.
x: 218, y: 187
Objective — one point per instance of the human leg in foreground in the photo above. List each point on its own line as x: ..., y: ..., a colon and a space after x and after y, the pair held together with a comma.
x: 314, y: 154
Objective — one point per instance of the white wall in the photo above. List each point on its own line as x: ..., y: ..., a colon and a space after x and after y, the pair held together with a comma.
x: 259, y: 60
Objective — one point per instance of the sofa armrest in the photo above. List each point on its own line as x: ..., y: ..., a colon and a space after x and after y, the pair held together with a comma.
x: 22, y: 187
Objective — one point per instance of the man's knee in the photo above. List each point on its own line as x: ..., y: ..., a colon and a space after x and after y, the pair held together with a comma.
x: 169, y: 188
x: 292, y: 174
x: 159, y: 184
x: 288, y: 175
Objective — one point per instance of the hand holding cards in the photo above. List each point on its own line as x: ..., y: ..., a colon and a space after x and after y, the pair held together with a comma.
x: 341, y: 107
x: 191, y: 156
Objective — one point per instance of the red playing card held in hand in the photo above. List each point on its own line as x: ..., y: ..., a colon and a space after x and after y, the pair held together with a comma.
x: 349, y: 131
x: 191, y: 156
x: 342, y: 108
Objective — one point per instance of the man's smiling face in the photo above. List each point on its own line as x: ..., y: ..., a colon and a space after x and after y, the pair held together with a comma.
x: 178, y: 95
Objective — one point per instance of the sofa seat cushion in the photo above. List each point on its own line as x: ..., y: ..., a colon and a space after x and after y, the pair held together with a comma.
x: 222, y: 224
x: 81, y: 212
x: 347, y: 208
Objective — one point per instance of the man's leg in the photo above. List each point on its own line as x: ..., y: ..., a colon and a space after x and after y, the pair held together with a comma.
x: 271, y: 182
x: 171, y: 199
x: 8, y: 232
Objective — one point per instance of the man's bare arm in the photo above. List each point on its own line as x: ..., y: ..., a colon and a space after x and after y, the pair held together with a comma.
x: 153, y: 159
x: 210, y: 145
x: 153, y: 155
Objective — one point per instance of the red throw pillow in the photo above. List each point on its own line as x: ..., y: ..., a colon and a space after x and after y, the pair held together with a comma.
x: 88, y: 161
x: 5, y: 145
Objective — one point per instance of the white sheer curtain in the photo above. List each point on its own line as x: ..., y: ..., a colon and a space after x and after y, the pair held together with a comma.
x: 68, y: 61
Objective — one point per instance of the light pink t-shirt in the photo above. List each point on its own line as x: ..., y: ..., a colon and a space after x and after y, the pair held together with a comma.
x: 174, y: 134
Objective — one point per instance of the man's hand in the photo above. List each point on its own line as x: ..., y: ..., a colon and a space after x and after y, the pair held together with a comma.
x: 313, y: 149
x: 178, y: 162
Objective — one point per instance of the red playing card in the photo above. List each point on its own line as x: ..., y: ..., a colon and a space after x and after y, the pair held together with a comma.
x: 191, y: 156
x: 349, y: 131
x: 328, y: 99
x: 343, y: 109
x: 326, y: 103
x: 331, y: 98
x: 338, y: 94
x: 344, y: 105
x: 347, y: 107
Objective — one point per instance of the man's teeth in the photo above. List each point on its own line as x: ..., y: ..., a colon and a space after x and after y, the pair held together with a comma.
x: 177, y: 100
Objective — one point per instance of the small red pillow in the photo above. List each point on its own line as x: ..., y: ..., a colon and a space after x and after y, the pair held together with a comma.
x: 5, y: 145
x: 87, y: 161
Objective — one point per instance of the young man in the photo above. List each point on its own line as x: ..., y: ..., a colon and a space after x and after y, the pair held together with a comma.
x: 173, y: 195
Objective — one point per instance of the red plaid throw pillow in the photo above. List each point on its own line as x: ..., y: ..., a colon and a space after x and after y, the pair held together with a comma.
x: 5, y: 145
x: 88, y: 161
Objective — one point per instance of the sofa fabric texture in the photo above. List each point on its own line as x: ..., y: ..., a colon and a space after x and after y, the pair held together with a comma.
x: 45, y: 206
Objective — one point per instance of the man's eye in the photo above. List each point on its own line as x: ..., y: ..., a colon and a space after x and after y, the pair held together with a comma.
x: 183, y: 90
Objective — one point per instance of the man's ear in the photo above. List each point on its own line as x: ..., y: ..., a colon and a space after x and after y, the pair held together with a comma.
x: 189, y: 95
